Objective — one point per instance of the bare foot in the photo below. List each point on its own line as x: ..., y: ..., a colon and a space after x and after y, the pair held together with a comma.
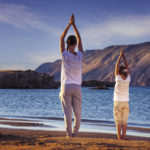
x: 126, y: 139
x: 68, y: 137
x: 118, y: 138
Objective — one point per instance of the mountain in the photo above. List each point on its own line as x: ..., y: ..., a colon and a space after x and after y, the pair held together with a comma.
x: 52, y: 68
x: 100, y: 64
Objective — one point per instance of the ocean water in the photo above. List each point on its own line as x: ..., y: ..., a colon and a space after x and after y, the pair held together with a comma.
x: 96, y: 104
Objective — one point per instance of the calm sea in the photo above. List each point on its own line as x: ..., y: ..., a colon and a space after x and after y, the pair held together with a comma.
x: 96, y: 104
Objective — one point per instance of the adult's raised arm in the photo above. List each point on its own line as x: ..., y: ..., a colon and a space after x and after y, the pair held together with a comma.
x: 80, y: 47
x: 62, y: 38
x: 118, y: 62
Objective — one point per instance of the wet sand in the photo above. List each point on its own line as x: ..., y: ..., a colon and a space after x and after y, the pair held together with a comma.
x: 21, y: 139
x: 139, y: 129
x: 29, y: 123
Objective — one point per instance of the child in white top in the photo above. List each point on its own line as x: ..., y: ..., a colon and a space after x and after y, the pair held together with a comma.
x: 121, y: 96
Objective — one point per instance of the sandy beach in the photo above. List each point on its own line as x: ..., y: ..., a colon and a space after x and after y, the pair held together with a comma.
x: 52, y: 140
x: 23, y: 139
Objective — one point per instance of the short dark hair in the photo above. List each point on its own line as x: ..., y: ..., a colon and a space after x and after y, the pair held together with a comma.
x: 71, y: 40
x: 122, y: 71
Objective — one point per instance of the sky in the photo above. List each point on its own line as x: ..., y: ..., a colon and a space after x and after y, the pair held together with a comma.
x: 30, y: 29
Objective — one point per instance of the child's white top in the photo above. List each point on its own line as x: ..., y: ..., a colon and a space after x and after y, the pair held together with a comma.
x: 71, y: 69
x: 121, y: 91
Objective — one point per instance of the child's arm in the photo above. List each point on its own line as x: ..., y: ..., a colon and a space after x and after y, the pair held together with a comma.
x: 118, y: 62
x: 125, y: 62
x: 80, y: 47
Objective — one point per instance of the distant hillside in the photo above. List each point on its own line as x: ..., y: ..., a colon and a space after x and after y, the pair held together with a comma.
x: 100, y: 64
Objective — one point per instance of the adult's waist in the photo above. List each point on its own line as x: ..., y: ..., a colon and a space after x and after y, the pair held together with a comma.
x: 71, y: 84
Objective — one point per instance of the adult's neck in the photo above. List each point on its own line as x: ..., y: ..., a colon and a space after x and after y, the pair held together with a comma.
x: 72, y: 51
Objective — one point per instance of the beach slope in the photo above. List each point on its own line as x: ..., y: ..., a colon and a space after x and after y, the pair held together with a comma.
x: 51, y: 140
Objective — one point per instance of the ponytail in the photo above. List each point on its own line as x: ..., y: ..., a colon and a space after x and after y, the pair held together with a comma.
x: 123, y: 71
x: 71, y: 40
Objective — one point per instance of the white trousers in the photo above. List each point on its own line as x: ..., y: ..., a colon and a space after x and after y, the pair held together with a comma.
x: 71, y: 99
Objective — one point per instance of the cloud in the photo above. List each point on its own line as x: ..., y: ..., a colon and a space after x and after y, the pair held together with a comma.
x: 40, y: 58
x: 22, y: 17
x: 30, y: 61
x: 116, y: 30
x: 13, y: 66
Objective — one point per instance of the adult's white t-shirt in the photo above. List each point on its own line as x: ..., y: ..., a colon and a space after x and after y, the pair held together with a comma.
x: 121, y: 91
x: 71, y: 68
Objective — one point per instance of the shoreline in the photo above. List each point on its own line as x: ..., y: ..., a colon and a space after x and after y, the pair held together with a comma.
x: 57, y: 124
x: 28, y: 118
x: 43, y: 134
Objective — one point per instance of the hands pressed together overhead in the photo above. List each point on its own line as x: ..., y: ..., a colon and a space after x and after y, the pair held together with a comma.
x: 79, y: 41
x: 72, y: 20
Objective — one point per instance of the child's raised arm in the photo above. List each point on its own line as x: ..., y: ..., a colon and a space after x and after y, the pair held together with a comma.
x: 118, y: 62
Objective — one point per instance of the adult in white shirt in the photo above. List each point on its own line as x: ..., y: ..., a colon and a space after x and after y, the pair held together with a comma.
x: 121, y: 96
x: 71, y: 79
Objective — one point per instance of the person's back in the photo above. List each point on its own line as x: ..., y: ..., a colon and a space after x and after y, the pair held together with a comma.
x: 71, y: 78
x: 121, y: 97
x: 121, y: 91
x: 71, y: 68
